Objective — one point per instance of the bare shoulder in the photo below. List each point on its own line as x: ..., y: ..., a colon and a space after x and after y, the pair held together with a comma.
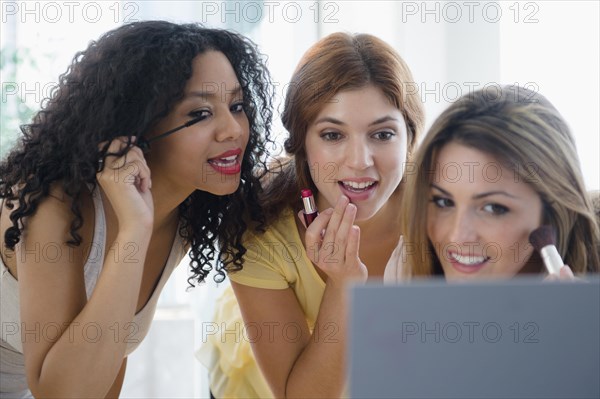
x: 48, y: 229
x: 50, y: 271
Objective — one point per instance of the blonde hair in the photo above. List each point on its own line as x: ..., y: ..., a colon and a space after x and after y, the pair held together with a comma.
x: 524, y: 131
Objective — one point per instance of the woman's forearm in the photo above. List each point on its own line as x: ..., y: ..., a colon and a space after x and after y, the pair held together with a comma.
x: 320, y: 370
x: 87, y: 357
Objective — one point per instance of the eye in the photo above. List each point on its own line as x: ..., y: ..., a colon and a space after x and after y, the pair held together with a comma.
x: 442, y: 202
x: 384, y: 135
x: 237, y: 107
x: 495, y: 209
x: 331, y: 136
x: 200, y: 114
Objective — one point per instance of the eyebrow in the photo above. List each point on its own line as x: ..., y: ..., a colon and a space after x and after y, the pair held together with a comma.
x: 478, y: 196
x: 212, y: 94
x: 329, y: 119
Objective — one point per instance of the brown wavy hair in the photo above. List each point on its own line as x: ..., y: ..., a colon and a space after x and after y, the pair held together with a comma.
x: 336, y: 63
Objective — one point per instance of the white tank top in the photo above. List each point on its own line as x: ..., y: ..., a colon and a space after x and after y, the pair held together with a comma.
x: 13, y: 383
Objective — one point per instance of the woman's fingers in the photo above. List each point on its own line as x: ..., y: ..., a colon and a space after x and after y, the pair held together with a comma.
x: 126, y: 181
x: 116, y: 144
x: 137, y: 172
x: 313, y: 236
x: 358, y: 271
x: 337, y: 251
x: 336, y: 219
x: 112, y: 148
x: 353, y: 244
x: 343, y: 232
x: 130, y: 168
x: 566, y: 273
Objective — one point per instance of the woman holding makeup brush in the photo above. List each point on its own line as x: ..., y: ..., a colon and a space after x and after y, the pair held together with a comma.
x: 147, y: 148
x: 352, y: 124
x: 495, y: 166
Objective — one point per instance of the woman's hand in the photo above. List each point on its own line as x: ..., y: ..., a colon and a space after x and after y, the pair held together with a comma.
x: 126, y: 182
x: 565, y: 274
x: 395, y: 265
x: 332, y: 243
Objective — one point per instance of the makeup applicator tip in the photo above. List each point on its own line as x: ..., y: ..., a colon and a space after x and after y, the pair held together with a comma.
x: 542, y: 236
x: 543, y: 240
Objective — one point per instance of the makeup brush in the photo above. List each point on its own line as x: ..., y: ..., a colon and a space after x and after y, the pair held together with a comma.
x: 543, y: 240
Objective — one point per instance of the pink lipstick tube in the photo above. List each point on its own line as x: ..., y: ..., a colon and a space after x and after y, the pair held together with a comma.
x: 310, y: 209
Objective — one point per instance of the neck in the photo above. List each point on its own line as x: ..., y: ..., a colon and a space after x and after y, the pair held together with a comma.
x: 383, y: 226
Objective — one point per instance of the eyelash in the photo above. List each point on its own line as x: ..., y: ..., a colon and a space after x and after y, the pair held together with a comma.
x: 200, y: 112
x: 388, y: 135
x: 500, y: 209
x: 497, y: 209
x: 238, y: 104
x: 436, y: 201
x: 327, y: 136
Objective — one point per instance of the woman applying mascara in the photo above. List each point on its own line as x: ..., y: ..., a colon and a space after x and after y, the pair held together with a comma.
x: 152, y: 136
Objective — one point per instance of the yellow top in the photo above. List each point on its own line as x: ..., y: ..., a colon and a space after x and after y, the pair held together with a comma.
x: 275, y: 260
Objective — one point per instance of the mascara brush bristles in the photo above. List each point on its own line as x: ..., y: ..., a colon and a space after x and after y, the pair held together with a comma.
x: 543, y: 240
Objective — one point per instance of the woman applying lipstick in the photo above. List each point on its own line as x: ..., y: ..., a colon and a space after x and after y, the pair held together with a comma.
x: 148, y: 148
x: 504, y: 163
x: 351, y: 125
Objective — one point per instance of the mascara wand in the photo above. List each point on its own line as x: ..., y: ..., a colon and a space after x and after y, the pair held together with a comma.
x: 144, y: 143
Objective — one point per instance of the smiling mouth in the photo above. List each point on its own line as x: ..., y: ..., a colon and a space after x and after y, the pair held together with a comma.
x: 227, y: 163
x: 224, y: 162
x: 469, y: 260
x: 357, y: 187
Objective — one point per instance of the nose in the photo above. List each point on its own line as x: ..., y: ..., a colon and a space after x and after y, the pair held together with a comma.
x: 359, y: 155
x: 230, y: 127
x: 463, y: 228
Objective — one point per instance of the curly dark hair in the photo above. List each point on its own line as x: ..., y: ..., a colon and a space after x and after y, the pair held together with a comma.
x: 127, y: 81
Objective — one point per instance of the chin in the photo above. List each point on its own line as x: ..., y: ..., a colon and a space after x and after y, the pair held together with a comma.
x: 367, y: 211
x: 222, y: 189
x: 459, y: 277
x: 364, y: 216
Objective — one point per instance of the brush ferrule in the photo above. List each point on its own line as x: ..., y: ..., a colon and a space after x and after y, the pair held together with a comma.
x: 551, y: 259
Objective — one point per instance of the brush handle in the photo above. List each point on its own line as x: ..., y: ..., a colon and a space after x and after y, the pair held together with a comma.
x: 552, y: 259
